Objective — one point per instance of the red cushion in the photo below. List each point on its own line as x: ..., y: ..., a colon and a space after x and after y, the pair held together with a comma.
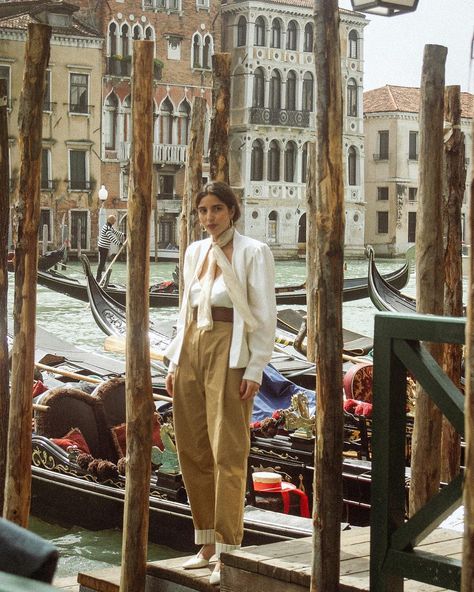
x: 73, y: 438
x: 120, y: 435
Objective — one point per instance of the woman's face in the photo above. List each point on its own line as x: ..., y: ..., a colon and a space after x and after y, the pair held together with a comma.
x: 214, y: 215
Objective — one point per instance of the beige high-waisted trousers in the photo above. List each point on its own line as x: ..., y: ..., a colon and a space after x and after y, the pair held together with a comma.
x: 212, y: 435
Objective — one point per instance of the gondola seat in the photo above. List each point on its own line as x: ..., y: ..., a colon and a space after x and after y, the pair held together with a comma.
x: 69, y: 408
x: 112, y: 395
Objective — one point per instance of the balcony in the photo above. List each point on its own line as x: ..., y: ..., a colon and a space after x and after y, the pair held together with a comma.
x: 119, y: 66
x: 48, y: 185
x: 78, y: 185
x: 162, y: 153
x: 381, y: 156
x: 79, y: 109
x: 283, y: 117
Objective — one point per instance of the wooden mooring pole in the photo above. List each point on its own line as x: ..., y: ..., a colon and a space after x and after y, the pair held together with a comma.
x: 467, y: 577
x: 220, y: 121
x: 192, y: 183
x: 327, y: 267
x: 30, y: 119
x: 4, y: 224
x: 455, y: 162
x: 426, y: 440
x: 138, y: 388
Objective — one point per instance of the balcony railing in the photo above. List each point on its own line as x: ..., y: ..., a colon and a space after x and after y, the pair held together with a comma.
x: 412, y: 156
x: 162, y: 153
x: 77, y: 108
x: 283, y: 117
x: 47, y: 185
x: 381, y: 156
x: 168, y: 196
x: 78, y: 185
x: 119, y: 66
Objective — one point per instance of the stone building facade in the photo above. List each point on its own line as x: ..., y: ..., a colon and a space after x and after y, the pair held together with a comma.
x: 71, y: 165
x: 273, y: 118
x: 391, y: 166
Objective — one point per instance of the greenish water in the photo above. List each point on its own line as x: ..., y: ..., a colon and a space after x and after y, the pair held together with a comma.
x: 83, y: 550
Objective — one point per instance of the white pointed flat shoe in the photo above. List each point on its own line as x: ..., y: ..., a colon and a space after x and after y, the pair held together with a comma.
x: 215, y: 578
x: 195, y: 562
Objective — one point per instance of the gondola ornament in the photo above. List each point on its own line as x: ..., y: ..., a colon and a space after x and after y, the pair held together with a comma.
x: 385, y: 7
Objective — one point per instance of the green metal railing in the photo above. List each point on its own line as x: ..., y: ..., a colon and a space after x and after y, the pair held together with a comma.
x: 397, y: 349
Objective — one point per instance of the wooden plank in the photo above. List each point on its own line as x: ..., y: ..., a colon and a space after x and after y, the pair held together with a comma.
x: 104, y: 580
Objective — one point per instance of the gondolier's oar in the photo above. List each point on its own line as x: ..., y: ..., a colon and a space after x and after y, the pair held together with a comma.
x: 102, y: 281
x: 68, y: 374
x: 116, y: 344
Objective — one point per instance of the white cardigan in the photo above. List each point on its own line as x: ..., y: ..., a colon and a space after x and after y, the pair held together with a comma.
x: 253, y: 265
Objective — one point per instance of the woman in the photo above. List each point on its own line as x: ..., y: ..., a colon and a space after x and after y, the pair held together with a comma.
x: 225, y: 337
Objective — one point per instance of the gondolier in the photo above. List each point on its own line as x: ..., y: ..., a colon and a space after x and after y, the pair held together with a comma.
x: 108, y: 235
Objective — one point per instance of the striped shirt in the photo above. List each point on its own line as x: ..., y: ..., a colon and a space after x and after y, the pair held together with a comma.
x: 109, y: 235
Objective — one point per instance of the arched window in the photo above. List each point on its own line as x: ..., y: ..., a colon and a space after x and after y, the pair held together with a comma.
x: 352, y: 166
x: 274, y: 161
x: 308, y: 85
x: 127, y: 119
x: 112, y: 39
x: 259, y: 31
x: 275, y: 90
x: 276, y: 33
x: 353, y: 45
x: 291, y: 36
x: 308, y: 37
x: 256, y: 161
x: 184, y: 119
x: 352, y: 102
x: 291, y: 91
x: 206, y: 52
x: 110, y: 122
x: 258, y: 88
x: 242, y: 32
x: 124, y: 41
x: 166, y: 118
x: 137, y: 32
x: 272, y: 227
x: 304, y: 162
x: 290, y: 162
x: 196, y: 50
x: 149, y: 33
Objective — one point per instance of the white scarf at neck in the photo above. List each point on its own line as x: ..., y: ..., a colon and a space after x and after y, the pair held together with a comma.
x: 217, y: 258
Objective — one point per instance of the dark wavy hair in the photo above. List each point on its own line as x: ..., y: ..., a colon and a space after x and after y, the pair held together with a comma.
x: 223, y: 192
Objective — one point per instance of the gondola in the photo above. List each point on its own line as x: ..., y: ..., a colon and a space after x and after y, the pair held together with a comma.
x: 383, y: 295
x: 67, y: 490
x: 46, y: 261
x: 110, y: 316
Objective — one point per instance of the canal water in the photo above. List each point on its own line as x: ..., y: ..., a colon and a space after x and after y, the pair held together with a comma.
x: 83, y: 550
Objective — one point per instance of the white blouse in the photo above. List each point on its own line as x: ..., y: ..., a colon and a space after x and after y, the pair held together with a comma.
x: 219, y: 294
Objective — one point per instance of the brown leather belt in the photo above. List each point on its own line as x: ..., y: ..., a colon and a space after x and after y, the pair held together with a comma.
x: 219, y: 313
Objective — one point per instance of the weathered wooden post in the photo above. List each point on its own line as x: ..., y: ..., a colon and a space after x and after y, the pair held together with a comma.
x: 426, y: 442
x: 455, y: 184
x: 138, y: 389
x: 220, y: 122
x: 311, y: 253
x: 79, y: 238
x: 192, y: 183
x: 4, y: 223
x: 327, y: 266
x: 30, y: 123
x: 467, y: 577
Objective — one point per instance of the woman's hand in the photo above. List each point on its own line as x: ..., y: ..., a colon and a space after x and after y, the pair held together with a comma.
x: 248, y: 389
x: 169, y: 384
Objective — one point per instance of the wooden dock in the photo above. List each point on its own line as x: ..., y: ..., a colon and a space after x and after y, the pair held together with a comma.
x: 277, y: 567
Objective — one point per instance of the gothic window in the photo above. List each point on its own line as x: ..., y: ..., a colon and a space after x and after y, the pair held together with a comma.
x: 352, y: 98
x: 184, y: 119
x: 206, y: 52
x: 274, y: 161
x: 166, y: 118
x: 291, y: 36
x: 256, y: 163
x: 276, y: 33
x: 352, y: 166
x: 308, y: 37
x: 196, y: 50
x: 127, y: 119
x: 110, y: 122
x: 137, y: 33
x: 260, y: 31
x: 259, y: 88
x: 308, y: 85
x: 149, y: 33
x: 241, y: 32
x: 273, y: 226
x: 353, y: 45
x: 112, y: 39
x: 291, y: 91
x: 290, y: 162
x: 124, y: 41
x: 275, y: 90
